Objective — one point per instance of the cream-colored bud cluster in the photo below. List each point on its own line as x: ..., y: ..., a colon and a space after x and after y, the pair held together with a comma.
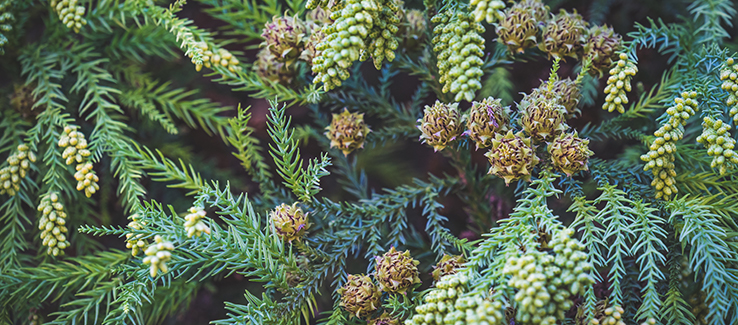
x: 19, y: 163
x: 75, y: 150
x: 70, y: 13
x: 547, y: 283
x: 618, y: 84
x: 728, y: 75
x: 134, y: 242
x: 6, y: 17
x: 460, y: 48
x: 613, y: 316
x: 489, y: 10
x: 213, y: 57
x: 194, y: 224
x: 157, y: 254
x: 52, y: 224
x: 716, y: 138
x: 660, y: 157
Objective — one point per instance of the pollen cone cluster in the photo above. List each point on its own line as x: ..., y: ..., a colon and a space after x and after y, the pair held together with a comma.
x: 52, y: 224
x: 347, y: 131
x: 383, y: 39
x: 135, y: 242
x: 215, y: 57
x: 75, y: 150
x: 396, y: 271
x: 285, y: 38
x: 602, y: 47
x: 459, y: 49
x: 158, y: 254
x: 618, y: 84
x: 19, y: 163
x: 512, y: 157
x: 519, y: 29
x: 449, y: 264
x: 563, y: 35
x: 289, y: 222
x: 716, y: 138
x: 569, y: 153
x: 70, y: 13
x: 485, y: 120
x: 6, y: 18
x: 729, y: 74
x: 489, y: 10
x: 547, y: 283
x: 660, y: 157
x: 194, y: 224
x: 360, y: 296
x: 612, y: 316
x: 440, y: 125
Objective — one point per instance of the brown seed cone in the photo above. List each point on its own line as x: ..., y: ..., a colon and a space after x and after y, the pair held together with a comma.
x: 564, y: 35
x: 569, y: 153
x: 542, y: 117
x: 602, y: 47
x: 519, y: 29
x: 285, y: 37
x: 568, y: 94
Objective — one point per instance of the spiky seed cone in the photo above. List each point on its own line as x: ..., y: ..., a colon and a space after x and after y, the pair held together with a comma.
x: 440, y: 125
x: 542, y: 117
x: 311, y: 46
x: 347, y: 131
x: 485, y: 120
x: 448, y: 265
x: 396, y: 272
x: 519, y: 29
x: 268, y: 68
x: 512, y: 157
x: 569, y: 153
x: 285, y: 37
x: 360, y: 296
x: 564, y: 35
x: 385, y: 319
x: 602, y: 48
x: 319, y: 16
x: 568, y: 94
x: 289, y: 222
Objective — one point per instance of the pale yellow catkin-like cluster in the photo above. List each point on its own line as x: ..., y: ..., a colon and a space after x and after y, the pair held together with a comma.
x: 660, y: 157
x: 75, y: 150
x: 212, y: 57
x: 728, y: 75
x: 194, y: 225
x: 70, y: 13
x: 157, y: 254
x: 613, y: 316
x: 716, y: 138
x: 618, y: 84
x: 19, y: 163
x: 52, y: 224
x: 135, y: 242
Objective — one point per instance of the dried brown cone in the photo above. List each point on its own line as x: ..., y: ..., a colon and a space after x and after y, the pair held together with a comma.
x: 564, y: 35
x: 440, y: 125
x: 347, y: 131
x: 396, y: 271
x: 519, y: 29
x: 541, y: 117
x: 602, y: 48
x: 485, y: 120
x: 360, y: 296
x: 512, y: 157
x: 448, y: 265
x: 569, y: 153
x: 568, y: 94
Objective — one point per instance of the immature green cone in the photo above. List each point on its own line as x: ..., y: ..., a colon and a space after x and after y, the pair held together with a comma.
x: 347, y: 131
x: 602, y: 48
x: 396, y: 272
x: 268, y: 68
x: 382, y: 37
x: 440, y: 125
x: 194, y: 225
x: 489, y: 10
x: 519, y: 29
x: 158, y: 254
x: 74, y: 144
x: 716, y: 138
x: 52, y: 224
x: 512, y: 157
x: 485, y: 120
x: 569, y: 153
x: 70, y: 13
x: 542, y: 118
x: 618, y: 84
x: 449, y: 264
x: 360, y: 296
x: 6, y: 18
x: 568, y: 94
x: 19, y: 163
x: 289, y: 222
x: 459, y: 48
x: 564, y: 35
x: 134, y: 242
x: 385, y: 319
x: 413, y: 31
x: 285, y: 37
